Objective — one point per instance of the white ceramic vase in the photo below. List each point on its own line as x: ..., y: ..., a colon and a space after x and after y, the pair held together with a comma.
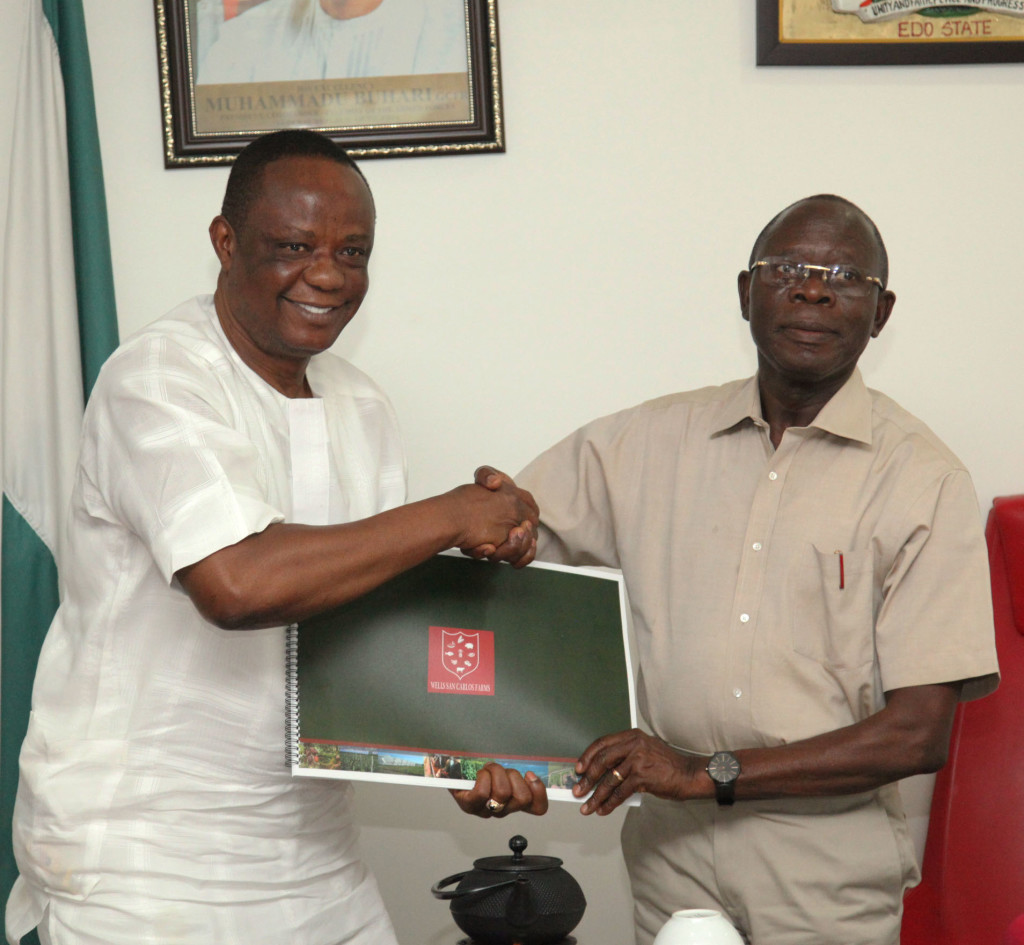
x: 698, y: 927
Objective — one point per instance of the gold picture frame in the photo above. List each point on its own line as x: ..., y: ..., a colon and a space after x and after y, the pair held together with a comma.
x: 888, y: 32
x: 231, y: 70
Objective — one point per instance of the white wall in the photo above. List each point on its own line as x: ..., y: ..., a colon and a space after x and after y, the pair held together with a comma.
x: 593, y: 265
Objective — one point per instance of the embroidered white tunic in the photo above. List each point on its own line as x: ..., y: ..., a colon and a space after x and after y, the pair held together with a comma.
x: 154, y: 803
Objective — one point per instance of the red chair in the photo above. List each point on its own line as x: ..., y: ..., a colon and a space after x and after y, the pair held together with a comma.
x: 972, y: 891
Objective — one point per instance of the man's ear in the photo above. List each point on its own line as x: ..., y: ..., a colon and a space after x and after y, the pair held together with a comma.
x: 743, y: 285
x: 222, y: 235
x: 886, y: 300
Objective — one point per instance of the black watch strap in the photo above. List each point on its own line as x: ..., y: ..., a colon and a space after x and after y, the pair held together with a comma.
x: 724, y: 770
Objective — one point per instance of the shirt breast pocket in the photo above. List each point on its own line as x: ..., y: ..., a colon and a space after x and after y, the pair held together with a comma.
x: 832, y: 607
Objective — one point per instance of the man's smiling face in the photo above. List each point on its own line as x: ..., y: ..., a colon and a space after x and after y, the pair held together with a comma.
x: 295, y: 272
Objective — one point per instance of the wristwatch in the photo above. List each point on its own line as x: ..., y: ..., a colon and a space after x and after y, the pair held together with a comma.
x: 724, y: 769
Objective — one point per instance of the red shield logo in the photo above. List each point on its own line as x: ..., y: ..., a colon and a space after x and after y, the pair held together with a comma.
x: 460, y: 652
x: 461, y: 661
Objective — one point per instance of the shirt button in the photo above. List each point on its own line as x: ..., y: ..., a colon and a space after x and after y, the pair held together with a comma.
x: 744, y: 618
x: 737, y: 692
x: 756, y: 546
x: 773, y: 475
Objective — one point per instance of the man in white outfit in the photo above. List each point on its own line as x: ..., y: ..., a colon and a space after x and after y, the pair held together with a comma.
x: 234, y: 477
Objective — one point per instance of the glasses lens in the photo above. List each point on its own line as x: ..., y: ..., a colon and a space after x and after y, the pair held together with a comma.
x: 782, y: 272
x: 848, y: 280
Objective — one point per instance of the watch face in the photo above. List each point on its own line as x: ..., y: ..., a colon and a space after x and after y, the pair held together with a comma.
x: 723, y: 767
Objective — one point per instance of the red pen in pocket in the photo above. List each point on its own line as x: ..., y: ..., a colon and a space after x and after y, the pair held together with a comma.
x: 842, y: 572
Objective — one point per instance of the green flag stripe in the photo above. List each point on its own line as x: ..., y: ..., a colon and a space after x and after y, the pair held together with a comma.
x: 94, y: 277
x: 25, y: 616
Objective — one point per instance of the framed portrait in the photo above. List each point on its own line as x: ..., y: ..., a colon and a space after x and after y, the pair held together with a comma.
x: 383, y: 78
x: 888, y: 32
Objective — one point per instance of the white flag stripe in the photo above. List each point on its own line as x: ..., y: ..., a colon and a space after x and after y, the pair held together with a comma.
x: 40, y: 370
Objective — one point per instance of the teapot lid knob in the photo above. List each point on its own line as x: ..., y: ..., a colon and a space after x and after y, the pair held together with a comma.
x: 517, y: 844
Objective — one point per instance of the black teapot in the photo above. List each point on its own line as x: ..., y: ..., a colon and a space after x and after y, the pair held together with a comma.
x: 514, y: 900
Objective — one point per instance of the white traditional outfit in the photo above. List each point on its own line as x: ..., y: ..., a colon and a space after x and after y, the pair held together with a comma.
x: 154, y: 804
x: 295, y: 40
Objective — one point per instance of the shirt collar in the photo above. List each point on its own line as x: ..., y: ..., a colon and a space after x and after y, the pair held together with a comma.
x: 847, y: 414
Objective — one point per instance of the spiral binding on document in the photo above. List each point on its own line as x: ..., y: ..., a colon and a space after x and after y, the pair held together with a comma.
x: 291, y: 662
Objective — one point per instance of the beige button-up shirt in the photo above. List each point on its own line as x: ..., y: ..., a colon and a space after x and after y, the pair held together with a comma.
x: 776, y: 593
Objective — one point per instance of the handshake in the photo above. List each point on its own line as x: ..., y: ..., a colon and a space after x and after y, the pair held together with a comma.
x: 497, y: 519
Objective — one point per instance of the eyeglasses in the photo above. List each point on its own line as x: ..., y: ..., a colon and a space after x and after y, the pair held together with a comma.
x: 847, y: 281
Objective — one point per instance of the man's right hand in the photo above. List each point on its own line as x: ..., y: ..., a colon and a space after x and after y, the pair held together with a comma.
x: 289, y: 572
x: 518, y: 517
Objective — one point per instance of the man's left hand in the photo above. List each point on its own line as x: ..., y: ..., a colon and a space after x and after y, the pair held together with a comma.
x: 633, y: 762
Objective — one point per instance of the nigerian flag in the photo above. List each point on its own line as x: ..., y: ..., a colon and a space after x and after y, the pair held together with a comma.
x: 57, y: 325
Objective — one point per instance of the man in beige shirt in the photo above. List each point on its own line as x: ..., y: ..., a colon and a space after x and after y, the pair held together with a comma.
x: 809, y: 588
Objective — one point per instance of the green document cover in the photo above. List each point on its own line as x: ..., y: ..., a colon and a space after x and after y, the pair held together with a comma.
x: 456, y: 663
